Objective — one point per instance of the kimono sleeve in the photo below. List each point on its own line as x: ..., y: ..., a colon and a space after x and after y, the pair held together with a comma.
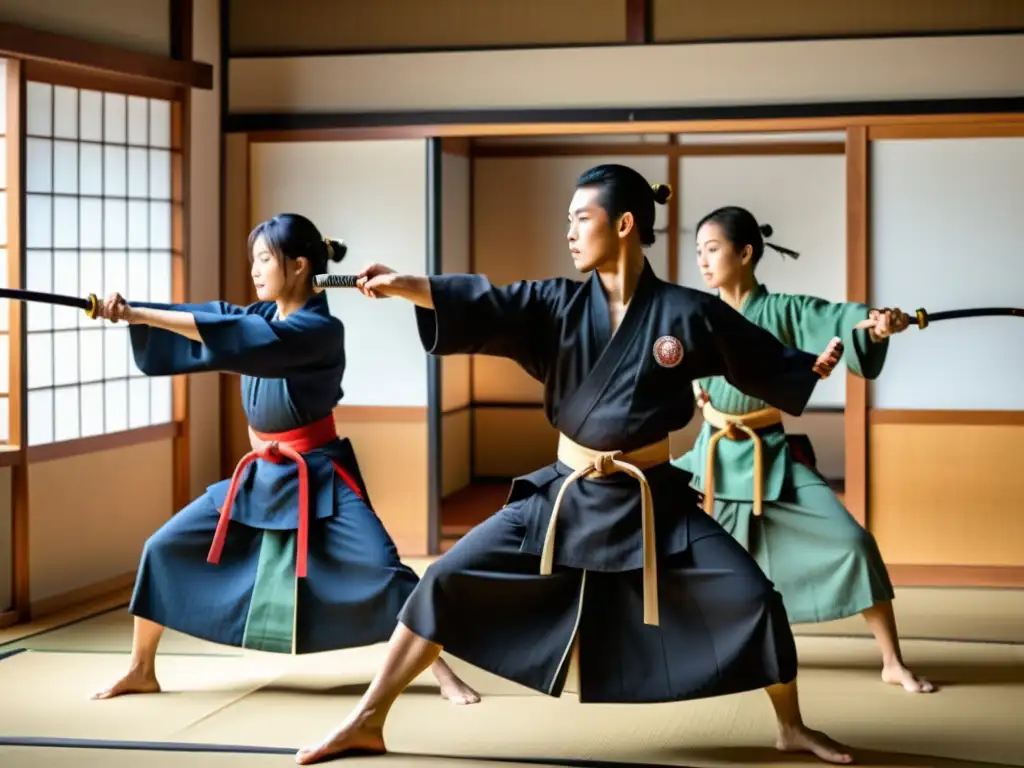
x: 813, y: 322
x: 239, y: 340
x: 472, y: 316
x: 210, y: 307
x: 758, y: 364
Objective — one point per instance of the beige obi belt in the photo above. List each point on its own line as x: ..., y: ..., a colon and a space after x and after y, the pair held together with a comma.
x: 588, y: 463
x: 736, y: 426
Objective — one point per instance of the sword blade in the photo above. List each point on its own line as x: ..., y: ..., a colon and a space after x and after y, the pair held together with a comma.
x: 957, y: 314
x: 925, y: 318
x: 20, y: 294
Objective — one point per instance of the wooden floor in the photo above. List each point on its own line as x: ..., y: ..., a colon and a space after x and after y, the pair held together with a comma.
x: 469, y: 507
x: 224, y: 707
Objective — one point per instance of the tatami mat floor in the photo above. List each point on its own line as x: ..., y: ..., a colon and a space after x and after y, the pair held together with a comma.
x: 217, y: 698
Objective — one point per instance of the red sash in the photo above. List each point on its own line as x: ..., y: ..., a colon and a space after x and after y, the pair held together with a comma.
x: 275, y: 447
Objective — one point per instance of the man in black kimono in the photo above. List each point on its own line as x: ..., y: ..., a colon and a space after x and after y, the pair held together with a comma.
x: 604, y: 555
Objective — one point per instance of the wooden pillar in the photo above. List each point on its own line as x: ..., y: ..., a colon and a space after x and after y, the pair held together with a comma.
x: 855, y: 420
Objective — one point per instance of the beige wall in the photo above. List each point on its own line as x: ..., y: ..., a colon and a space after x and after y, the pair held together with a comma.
x: 974, y: 187
x: 392, y: 454
x: 948, y: 420
x: 371, y: 194
x: 652, y: 76
x: 117, y: 498
x: 89, y: 515
x: 340, y: 186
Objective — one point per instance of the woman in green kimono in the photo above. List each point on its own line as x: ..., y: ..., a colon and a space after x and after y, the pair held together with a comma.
x: 822, y: 561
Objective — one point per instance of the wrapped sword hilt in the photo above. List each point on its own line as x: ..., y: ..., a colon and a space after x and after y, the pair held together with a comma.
x: 335, y: 281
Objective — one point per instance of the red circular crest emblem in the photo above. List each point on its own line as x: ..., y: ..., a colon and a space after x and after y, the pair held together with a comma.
x: 668, y: 351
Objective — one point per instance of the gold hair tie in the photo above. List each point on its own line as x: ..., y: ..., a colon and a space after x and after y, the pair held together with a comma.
x: 656, y: 187
x: 330, y: 249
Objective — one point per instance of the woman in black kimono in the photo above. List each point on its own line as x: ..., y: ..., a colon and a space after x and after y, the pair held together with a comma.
x: 287, y: 556
x: 608, y: 545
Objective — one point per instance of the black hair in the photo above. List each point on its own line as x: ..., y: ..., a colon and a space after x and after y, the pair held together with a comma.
x: 742, y: 229
x: 622, y: 190
x: 290, y: 236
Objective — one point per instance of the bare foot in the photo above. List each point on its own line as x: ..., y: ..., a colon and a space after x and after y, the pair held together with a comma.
x: 457, y: 692
x: 803, y: 739
x: 136, y: 681
x: 897, y: 674
x: 354, y: 737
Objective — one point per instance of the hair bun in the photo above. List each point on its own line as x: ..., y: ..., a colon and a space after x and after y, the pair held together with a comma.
x: 662, y: 193
x: 336, y: 249
x: 766, y: 230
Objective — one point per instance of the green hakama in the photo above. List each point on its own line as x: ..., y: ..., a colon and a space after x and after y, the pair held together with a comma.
x: 822, y: 561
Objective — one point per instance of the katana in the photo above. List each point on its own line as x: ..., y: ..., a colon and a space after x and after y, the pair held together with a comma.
x: 926, y: 318
x: 89, y: 305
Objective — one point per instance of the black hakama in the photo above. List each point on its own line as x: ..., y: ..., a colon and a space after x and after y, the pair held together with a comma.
x: 291, y: 574
x: 723, y: 628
